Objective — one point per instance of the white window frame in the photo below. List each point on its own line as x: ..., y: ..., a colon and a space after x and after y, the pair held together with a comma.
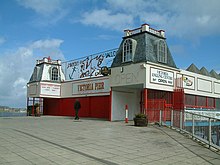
x: 54, y: 74
x: 161, y: 51
x: 129, y: 47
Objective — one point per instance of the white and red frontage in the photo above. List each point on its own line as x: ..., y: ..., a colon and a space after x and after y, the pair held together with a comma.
x: 131, y: 88
x: 143, y: 87
x: 149, y: 88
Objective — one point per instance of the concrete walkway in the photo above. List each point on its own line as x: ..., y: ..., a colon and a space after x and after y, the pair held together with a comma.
x: 61, y: 140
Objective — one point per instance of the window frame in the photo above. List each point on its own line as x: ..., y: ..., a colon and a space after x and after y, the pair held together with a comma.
x: 129, y: 46
x: 162, y: 51
x: 54, y: 74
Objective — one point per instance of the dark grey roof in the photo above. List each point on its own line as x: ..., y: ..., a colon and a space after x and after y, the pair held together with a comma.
x: 145, y: 50
x: 214, y: 74
x: 204, y: 71
x: 37, y: 74
x: 193, y: 68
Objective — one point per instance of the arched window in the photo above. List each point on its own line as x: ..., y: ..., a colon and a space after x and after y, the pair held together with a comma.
x: 35, y: 74
x: 161, y: 51
x: 54, y: 74
x: 128, y: 50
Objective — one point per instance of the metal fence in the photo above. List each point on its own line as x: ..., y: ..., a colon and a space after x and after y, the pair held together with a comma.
x: 200, y: 127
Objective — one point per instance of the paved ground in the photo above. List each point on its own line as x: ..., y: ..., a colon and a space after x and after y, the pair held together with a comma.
x: 60, y: 140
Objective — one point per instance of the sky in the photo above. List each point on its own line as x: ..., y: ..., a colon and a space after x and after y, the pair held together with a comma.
x: 70, y: 29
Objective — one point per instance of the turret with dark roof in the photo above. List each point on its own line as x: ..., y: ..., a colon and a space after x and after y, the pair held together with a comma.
x: 147, y: 47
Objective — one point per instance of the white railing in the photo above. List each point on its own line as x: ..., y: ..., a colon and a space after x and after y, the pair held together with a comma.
x: 153, y: 31
x: 139, y: 30
x: 200, y: 127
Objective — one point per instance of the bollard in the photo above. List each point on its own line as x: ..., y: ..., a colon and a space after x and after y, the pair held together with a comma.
x: 160, y: 119
x: 126, y: 113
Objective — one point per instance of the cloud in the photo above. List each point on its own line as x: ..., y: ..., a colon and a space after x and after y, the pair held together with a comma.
x: 105, y: 19
x: 52, y: 43
x: 43, y: 7
x: 51, y: 11
x: 17, y: 66
x: 189, y: 19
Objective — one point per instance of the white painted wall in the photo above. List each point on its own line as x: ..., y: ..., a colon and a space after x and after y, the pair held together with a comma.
x: 132, y: 74
x: 217, y: 87
x: 33, y: 89
x: 201, y: 85
x: 71, y: 88
x: 122, y: 97
x: 46, y: 72
x: 44, y: 89
x: 204, y: 85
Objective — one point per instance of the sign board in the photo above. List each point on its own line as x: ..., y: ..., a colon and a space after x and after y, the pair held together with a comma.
x: 50, y: 89
x: 89, y: 66
x: 91, y: 87
x: 161, y: 77
x: 105, y: 71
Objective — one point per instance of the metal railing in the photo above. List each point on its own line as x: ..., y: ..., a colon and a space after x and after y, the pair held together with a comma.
x: 200, y: 127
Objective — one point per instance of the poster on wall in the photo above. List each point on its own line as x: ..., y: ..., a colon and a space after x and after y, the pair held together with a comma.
x: 50, y: 90
x: 89, y: 66
x: 188, y: 82
x: 161, y: 77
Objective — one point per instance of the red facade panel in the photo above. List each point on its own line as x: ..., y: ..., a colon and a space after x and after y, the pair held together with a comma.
x: 95, y: 107
x: 178, y: 99
x: 51, y: 106
x: 100, y: 107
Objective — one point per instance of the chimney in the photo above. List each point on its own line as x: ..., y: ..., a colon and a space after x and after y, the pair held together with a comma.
x: 59, y: 62
x: 162, y: 33
x: 145, y: 27
x: 45, y: 59
x: 127, y: 32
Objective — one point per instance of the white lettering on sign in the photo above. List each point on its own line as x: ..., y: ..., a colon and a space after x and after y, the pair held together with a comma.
x: 161, y: 77
x: 50, y: 89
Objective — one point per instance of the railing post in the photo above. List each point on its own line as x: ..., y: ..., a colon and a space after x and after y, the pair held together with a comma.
x: 193, y: 126
x: 181, y: 122
x: 210, y: 132
x: 171, y: 124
